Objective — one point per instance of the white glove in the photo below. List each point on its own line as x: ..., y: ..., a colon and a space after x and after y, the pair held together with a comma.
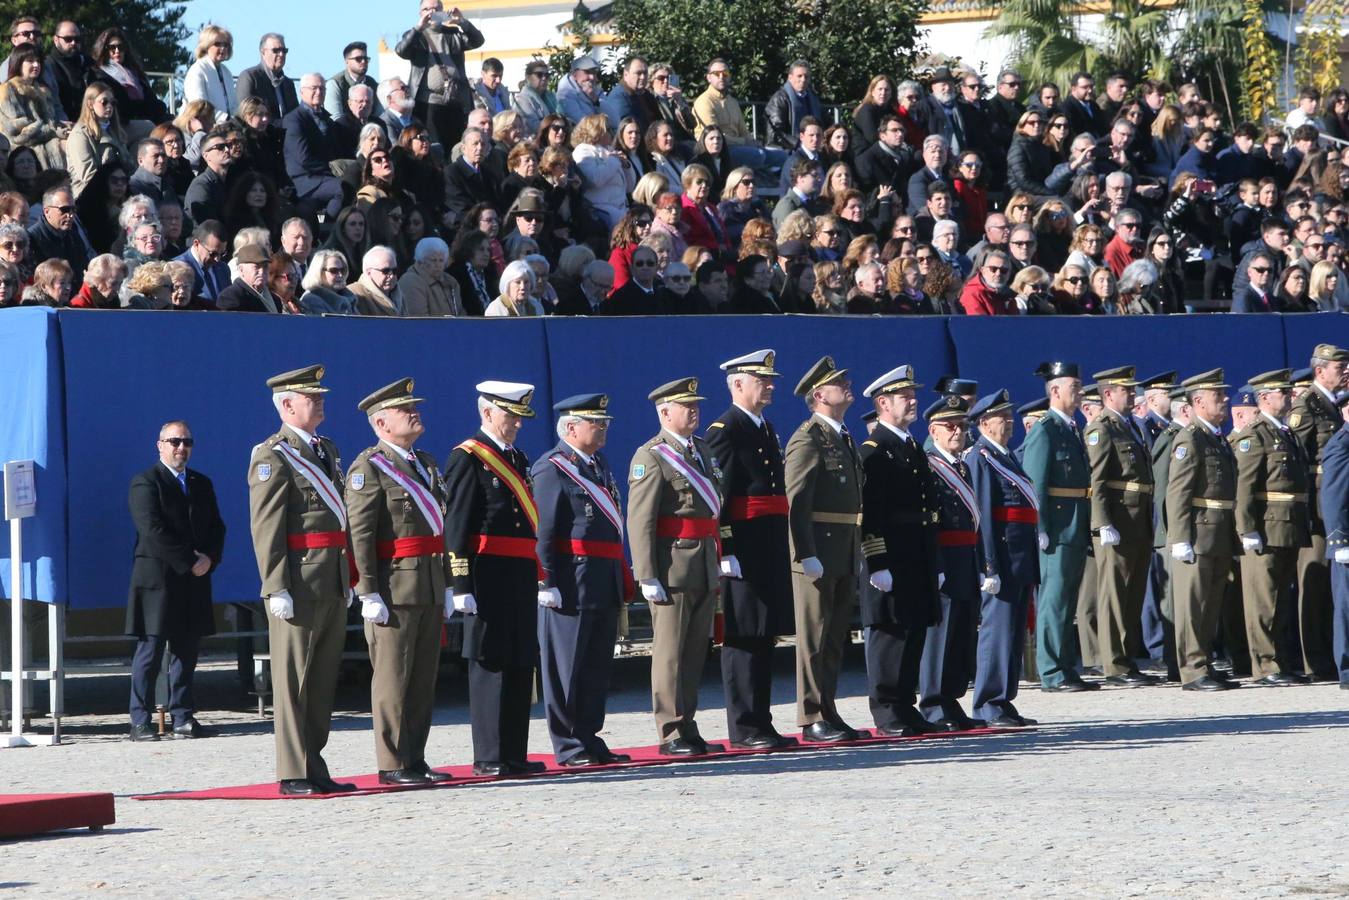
x: 449, y: 603
x: 1182, y: 552
x: 465, y: 604
x: 1109, y: 536
x: 882, y: 581
x: 1252, y: 543
x: 812, y: 568
x: 941, y: 579
x: 991, y: 584
x: 1342, y: 556
x: 351, y: 597
x: 1044, y: 542
x: 550, y: 598
x: 730, y: 567
x: 281, y: 605
x: 652, y: 592
x: 373, y: 609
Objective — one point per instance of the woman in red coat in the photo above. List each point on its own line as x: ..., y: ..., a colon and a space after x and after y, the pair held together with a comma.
x: 630, y: 231
x: 700, y: 223
x: 972, y: 196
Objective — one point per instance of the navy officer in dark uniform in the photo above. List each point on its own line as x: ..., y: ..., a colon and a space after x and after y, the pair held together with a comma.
x: 583, y: 581
x: 490, y: 533
x: 756, y: 583
x: 947, y: 665
x: 899, y: 541
x: 1008, y: 518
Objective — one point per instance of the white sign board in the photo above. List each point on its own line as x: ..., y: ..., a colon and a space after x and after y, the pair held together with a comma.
x: 20, y: 489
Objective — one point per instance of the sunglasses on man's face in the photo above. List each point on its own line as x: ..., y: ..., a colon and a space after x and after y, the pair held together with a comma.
x: 179, y: 441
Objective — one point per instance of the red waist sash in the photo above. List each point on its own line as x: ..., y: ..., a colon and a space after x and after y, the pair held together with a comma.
x: 742, y: 508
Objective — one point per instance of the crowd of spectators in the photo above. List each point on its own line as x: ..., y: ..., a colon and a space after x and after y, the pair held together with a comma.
x: 441, y: 195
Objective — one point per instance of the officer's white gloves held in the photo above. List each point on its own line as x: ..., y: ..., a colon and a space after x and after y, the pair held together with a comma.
x: 812, y: 568
x: 652, y: 592
x: 1182, y: 552
x: 1342, y: 556
x: 550, y: 598
x: 466, y: 604
x: 882, y: 581
x: 730, y: 567
x: 449, y: 603
x: 1252, y: 542
x: 1109, y: 536
x: 991, y: 584
x: 281, y: 605
x: 373, y: 609
x: 1044, y: 542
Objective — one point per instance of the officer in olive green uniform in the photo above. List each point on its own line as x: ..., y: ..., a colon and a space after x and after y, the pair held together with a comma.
x: 1273, y: 522
x: 674, y: 500
x: 824, y: 496
x: 1056, y: 462
x: 1200, y: 495
x: 1121, y: 517
x: 396, y: 504
x: 1088, y: 609
x: 299, y: 525
x: 1161, y: 475
x: 1314, y: 420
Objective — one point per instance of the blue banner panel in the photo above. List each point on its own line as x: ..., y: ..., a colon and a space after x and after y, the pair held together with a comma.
x: 1003, y: 352
x: 129, y: 372
x: 629, y: 357
x: 1302, y: 333
x: 31, y: 427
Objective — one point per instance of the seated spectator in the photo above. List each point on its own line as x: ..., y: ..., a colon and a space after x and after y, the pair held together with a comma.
x: 606, y: 175
x: 116, y: 64
x: 700, y: 223
x: 1029, y: 161
x: 181, y: 280
x: 376, y: 291
x: 716, y: 106
x: 1290, y: 294
x: 904, y: 280
x: 805, y: 184
x: 986, y: 294
x: 543, y: 295
x: 714, y: 154
x: 146, y: 244
x: 1104, y: 296
x: 13, y: 208
x: 349, y: 237
x: 249, y: 291
x: 22, y: 168
x: 471, y: 266
x: 790, y: 106
x: 666, y: 221
x: 208, y: 78
x: 1261, y: 275
x: 1087, y: 250
x: 888, y: 163
x: 1127, y: 244
x: 206, y: 255
x: 52, y: 286
x: 861, y: 250
x: 417, y: 175
x: 467, y: 182
x: 752, y: 293
x: 1053, y: 234
x: 595, y: 284
x: 10, y: 292
x: 808, y: 142
x: 660, y: 243
x: 528, y: 220
x: 997, y: 234
x: 393, y: 95
x: 631, y: 230
x: 1168, y: 143
x: 1058, y: 137
x: 1200, y: 159
x: 99, y: 208
x: 1168, y: 292
x: 177, y: 170
x: 1325, y: 278
x: 57, y: 234
x: 971, y: 197
x: 1031, y: 292
x: 384, y: 226
x: 798, y: 292
x: 1022, y: 248
x: 378, y: 176
x: 358, y: 110
x: 150, y: 177
x: 534, y: 101
x: 28, y: 110
x: 629, y: 99
x: 263, y: 143
x: 579, y: 94
x: 427, y: 289
x: 878, y: 102
x: 1136, y: 289
x: 14, y: 254
x: 194, y: 121
x: 97, y: 138
x: 325, y: 286
x: 206, y: 195
x: 945, y: 240
x: 150, y: 287
x: 837, y: 147
x: 245, y: 237
x: 662, y: 155
x: 516, y: 293
x: 1080, y: 163
x: 267, y: 81
x: 628, y: 143
x: 868, y: 296
x: 298, y: 242
x: 282, y: 283
x: 253, y: 203
x: 1272, y: 245
x: 309, y: 150
x: 830, y: 234
x: 1072, y: 290
x: 738, y: 204
x: 935, y: 154
x: 674, y: 108
x: 640, y: 295
x: 567, y: 215
x: 337, y: 94
x: 102, y: 284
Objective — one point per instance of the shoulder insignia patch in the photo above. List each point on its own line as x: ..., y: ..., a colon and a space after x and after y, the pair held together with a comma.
x: 869, y: 444
x: 1182, y: 452
x: 1093, y: 439
x: 1244, y: 445
x: 716, y: 425
x: 1295, y: 420
x: 264, y: 471
x: 357, y: 481
x: 638, y: 471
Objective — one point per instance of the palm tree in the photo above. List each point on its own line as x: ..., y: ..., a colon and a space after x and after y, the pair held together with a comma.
x: 1047, y: 41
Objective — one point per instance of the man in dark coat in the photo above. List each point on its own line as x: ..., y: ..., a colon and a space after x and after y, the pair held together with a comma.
x: 268, y: 80
x: 180, y: 538
x: 467, y: 182
x: 437, y: 82
x: 900, y: 521
x: 756, y: 566
x: 310, y: 149
x: 889, y: 161
x: 584, y: 583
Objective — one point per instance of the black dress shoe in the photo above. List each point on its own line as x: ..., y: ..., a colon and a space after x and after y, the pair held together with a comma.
x: 948, y: 724
x: 1129, y: 679
x: 328, y: 786
x: 1278, y: 679
x: 681, y: 747
x: 969, y: 723
x: 1070, y: 687
x: 143, y: 733
x: 919, y: 725
x: 298, y: 787
x: 1206, y: 683
x: 402, y: 776
x: 901, y: 731
x: 760, y: 742
x: 611, y: 757
x: 525, y: 767
x: 580, y: 760
x: 1005, y: 721
x: 192, y: 729
x: 1093, y: 670
x: 825, y: 733
x: 490, y: 768
x: 436, y: 777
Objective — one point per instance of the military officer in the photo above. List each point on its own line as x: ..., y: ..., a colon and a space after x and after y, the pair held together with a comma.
x: 490, y: 532
x: 299, y: 525
x: 1301, y: 380
x: 1155, y: 394
x: 1008, y: 524
x: 1274, y: 524
x: 1030, y: 414
x: 824, y: 498
x: 1152, y: 416
x: 948, y: 662
x: 1334, y: 499
x: 756, y: 565
x: 1087, y: 612
x: 1313, y: 420
x: 953, y: 386
x: 396, y: 505
x: 900, y: 521
x: 585, y: 579
x: 1200, y: 494
x: 1161, y: 473
x: 674, y: 501
x: 869, y: 420
x: 1244, y: 409
x: 1056, y: 462
x: 1121, y: 520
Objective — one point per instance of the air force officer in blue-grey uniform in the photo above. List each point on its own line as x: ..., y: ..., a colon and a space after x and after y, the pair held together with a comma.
x: 1008, y: 519
x: 584, y: 578
x: 1334, y: 499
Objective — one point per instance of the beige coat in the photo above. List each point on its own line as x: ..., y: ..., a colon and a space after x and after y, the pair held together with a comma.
x: 371, y: 301
x: 86, y: 153
x: 422, y: 296
x: 26, y: 119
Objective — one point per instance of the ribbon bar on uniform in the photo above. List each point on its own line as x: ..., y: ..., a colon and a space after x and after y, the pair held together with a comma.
x: 316, y: 540
x: 742, y: 508
x: 1024, y: 514
x: 404, y: 547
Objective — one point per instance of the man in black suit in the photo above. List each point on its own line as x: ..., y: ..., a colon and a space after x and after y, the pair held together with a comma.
x: 180, y: 537
x: 310, y: 150
x: 1081, y: 109
x: 467, y: 181
x: 268, y: 80
x: 889, y: 161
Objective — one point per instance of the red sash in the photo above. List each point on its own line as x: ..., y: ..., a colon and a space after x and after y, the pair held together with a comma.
x: 742, y: 508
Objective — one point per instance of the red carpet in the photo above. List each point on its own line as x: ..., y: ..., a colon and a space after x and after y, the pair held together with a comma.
x: 28, y: 814
x: 641, y: 756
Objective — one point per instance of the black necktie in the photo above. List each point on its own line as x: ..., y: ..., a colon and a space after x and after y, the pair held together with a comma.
x: 847, y: 438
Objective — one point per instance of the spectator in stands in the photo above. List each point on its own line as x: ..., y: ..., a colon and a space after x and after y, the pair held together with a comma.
x: 466, y: 181
x: 57, y: 233
x: 640, y: 295
x: 1080, y: 107
x: 416, y: 171
x: 1262, y: 273
x: 349, y: 236
x: 1057, y: 138
x: 97, y: 138
x: 1200, y: 159
x: 630, y: 99
x: 1104, y: 292
x: 150, y: 177
x: 249, y: 291
x: 98, y: 210
x: 471, y: 267
x: 716, y: 106
x: 516, y: 289
x: 283, y: 285
x: 253, y: 203
x: 177, y: 169
x: 325, y: 285
x: 427, y: 289
x: 1071, y: 290
x: 809, y: 142
x: 399, y: 107
x: 700, y: 222
x: 666, y: 221
x: 68, y: 65
x: 888, y: 163
x: 868, y: 296
x: 905, y: 283
x: 534, y: 101
x: 144, y: 244
x: 996, y: 236
x: 662, y: 155
x: 738, y: 204
x: 805, y: 183
x: 1335, y: 121
x: 713, y: 154
x: 376, y: 291
x: 1168, y: 292
x: 938, y: 206
x: 607, y: 177
x: 9, y: 287
x: 971, y: 197
x: 171, y: 222
x: 29, y: 113
x: 309, y: 150
x: 1029, y: 161
x: 372, y: 174
x: 1005, y: 108
x: 102, y: 284
x: 1136, y: 290
x: 1127, y: 244
x: 149, y: 287
x: 489, y: 92
x: 437, y: 82
x: 985, y: 293
x: 790, y: 106
x: 206, y: 255
x: 935, y: 156
x: 752, y: 292
x: 628, y: 142
x: 53, y: 284
x: 579, y: 94
x: 195, y: 120
x: 357, y: 111
x: 877, y: 102
x: 830, y: 294
x: 267, y: 81
x: 116, y: 64
x: 1290, y: 294
x: 26, y: 31
x: 1273, y: 242
x: 1087, y: 250
x: 1325, y: 278
x: 206, y: 195
x: 1031, y: 293
x: 944, y: 115
x: 356, y: 65
x: 1168, y: 143
x: 1307, y: 110
x: 837, y: 147
x: 209, y: 78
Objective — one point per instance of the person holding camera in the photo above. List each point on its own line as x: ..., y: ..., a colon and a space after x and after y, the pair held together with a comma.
x: 440, y: 90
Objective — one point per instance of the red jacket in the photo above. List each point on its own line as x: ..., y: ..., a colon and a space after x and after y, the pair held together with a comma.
x: 702, y: 226
x: 85, y: 300
x: 974, y: 201
x: 978, y: 299
x: 1119, y: 253
x: 621, y: 259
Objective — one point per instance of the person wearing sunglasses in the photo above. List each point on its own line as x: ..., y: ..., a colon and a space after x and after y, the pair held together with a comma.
x: 209, y: 78
x: 180, y: 540
x: 268, y: 80
x: 356, y: 65
x: 534, y: 102
x: 57, y: 234
x: 986, y: 293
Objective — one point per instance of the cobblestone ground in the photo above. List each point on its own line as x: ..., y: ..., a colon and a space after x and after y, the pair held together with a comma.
x: 1150, y: 792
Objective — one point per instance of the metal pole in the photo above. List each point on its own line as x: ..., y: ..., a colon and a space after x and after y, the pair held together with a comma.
x: 16, y: 631
x: 56, y: 686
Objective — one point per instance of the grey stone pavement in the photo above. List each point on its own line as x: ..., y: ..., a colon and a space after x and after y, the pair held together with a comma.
x: 1119, y: 793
